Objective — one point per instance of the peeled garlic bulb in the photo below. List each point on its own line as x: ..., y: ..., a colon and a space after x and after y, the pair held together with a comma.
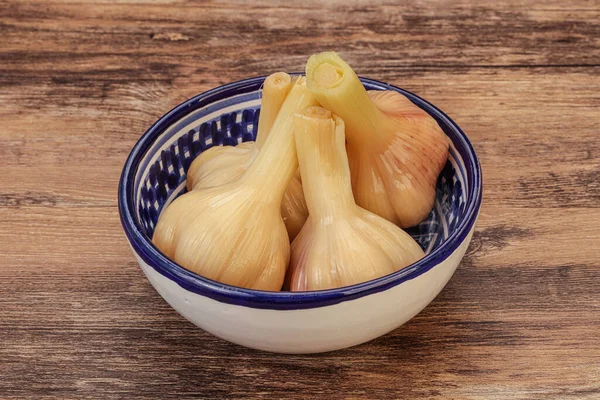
x: 234, y: 233
x: 396, y: 150
x: 224, y: 164
x: 341, y: 243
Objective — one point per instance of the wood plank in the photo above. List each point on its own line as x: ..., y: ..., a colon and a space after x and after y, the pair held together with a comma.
x: 81, y: 80
x: 166, y: 40
x: 71, y: 238
x: 539, y: 314
x: 558, y: 169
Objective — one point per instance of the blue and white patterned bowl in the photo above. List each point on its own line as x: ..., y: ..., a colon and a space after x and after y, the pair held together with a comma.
x: 303, y: 322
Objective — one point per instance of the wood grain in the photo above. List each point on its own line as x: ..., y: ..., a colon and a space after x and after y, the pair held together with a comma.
x: 80, y: 81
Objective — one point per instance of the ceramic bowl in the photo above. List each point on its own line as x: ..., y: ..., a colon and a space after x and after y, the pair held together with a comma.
x: 303, y: 322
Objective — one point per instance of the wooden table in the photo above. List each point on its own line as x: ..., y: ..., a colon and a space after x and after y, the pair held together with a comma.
x: 80, y: 82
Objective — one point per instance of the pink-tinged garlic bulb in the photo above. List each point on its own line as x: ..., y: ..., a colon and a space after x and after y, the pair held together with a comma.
x: 396, y: 150
x: 234, y: 233
x: 224, y: 164
x: 341, y: 243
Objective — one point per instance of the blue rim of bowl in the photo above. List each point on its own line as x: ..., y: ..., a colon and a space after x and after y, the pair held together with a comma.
x: 285, y: 300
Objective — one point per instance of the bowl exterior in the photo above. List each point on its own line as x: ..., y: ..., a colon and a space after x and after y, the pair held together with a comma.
x: 299, y: 322
x: 312, y: 330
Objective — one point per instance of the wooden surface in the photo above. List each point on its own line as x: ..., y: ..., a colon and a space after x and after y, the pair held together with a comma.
x: 79, y: 83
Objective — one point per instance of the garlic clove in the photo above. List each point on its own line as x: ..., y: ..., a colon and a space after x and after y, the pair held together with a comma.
x: 219, y: 165
x: 293, y: 208
x: 392, y: 102
x: 233, y: 242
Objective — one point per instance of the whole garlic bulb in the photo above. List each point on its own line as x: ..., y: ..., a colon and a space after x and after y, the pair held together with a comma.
x: 396, y: 150
x: 234, y: 233
x: 224, y: 164
x: 341, y: 243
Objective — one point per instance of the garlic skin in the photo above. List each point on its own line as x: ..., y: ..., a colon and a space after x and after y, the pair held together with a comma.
x: 234, y: 233
x: 228, y: 234
x: 341, y: 243
x: 293, y: 207
x: 396, y: 150
x: 219, y: 165
x: 224, y: 164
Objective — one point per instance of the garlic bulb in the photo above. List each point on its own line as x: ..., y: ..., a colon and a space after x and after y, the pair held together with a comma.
x: 341, y: 243
x: 223, y: 164
x: 396, y: 150
x: 234, y: 233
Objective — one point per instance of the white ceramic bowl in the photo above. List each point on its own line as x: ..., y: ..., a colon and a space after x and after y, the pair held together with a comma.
x: 303, y: 322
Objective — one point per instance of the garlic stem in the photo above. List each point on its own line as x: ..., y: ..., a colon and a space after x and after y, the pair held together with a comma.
x: 322, y: 155
x: 276, y: 163
x: 274, y: 90
x: 338, y: 88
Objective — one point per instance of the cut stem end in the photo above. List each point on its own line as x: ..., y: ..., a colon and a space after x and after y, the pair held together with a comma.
x: 328, y: 75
